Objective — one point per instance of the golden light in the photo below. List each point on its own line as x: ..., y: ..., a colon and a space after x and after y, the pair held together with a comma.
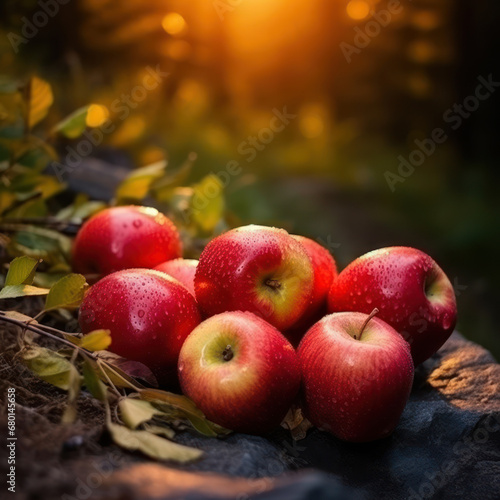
x: 425, y: 20
x: 422, y: 51
x: 173, y: 23
x: 96, y: 115
x: 312, y: 121
x: 132, y: 128
x: 358, y: 9
x: 178, y: 50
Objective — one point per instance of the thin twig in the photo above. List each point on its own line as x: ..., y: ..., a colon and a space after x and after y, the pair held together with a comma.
x: 38, y: 330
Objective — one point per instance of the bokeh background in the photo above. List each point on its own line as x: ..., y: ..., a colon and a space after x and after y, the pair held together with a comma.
x: 363, y: 79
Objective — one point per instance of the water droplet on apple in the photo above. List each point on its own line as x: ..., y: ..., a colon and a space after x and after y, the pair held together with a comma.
x: 446, y: 322
x: 137, y: 223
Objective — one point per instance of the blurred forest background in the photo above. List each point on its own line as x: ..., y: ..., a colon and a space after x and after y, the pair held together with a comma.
x: 362, y: 86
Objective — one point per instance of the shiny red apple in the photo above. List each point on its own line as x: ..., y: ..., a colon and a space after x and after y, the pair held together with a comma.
x: 123, y: 238
x: 240, y: 371
x: 411, y: 291
x: 325, y: 271
x: 149, y: 315
x: 182, y: 270
x: 258, y: 269
x: 357, y: 374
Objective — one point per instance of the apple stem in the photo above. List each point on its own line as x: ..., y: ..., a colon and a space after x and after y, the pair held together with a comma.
x: 273, y: 283
x: 370, y: 317
x: 227, y: 353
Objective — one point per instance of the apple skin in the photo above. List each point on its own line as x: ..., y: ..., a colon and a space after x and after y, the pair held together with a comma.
x: 124, y: 238
x: 182, y: 270
x: 411, y: 291
x: 325, y: 271
x: 250, y: 392
x: 355, y: 389
x: 258, y: 269
x: 149, y: 315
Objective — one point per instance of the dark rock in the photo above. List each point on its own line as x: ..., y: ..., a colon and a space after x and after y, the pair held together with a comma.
x: 446, y: 446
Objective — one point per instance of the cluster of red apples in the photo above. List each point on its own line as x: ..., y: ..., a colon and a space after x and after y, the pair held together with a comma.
x: 263, y: 321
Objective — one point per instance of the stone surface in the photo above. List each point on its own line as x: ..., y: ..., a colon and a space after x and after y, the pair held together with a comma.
x: 447, y: 446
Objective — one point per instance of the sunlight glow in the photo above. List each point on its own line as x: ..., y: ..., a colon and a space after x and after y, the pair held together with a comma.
x: 173, y: 23
x: 96, y: 115
x: 358, y: 9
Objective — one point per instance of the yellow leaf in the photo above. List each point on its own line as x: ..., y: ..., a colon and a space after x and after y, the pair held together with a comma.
x: 13, y: 291
x: 135, y: 411
x: 207, y: 203
x: 151, y: 445
x: 97, y: 340
x: 137, y: 184
x: 40, y: 98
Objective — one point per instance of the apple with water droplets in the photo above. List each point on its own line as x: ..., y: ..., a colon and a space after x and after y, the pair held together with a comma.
x: 412, y: 292
x: 325, y: 271
x: 258, y: 269
x: 240, y: 371
x: 182, y: 270
x: 357, y: 374
x: 123, y: 238
x: 149, y: 315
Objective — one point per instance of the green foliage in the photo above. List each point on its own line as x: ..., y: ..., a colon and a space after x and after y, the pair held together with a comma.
x: 49, y: 366
x: 37, y: 233
x: 66, y: 293
x: 147, y: 414
x: 73, y: 125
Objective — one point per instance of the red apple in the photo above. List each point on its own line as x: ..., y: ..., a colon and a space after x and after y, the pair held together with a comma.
x: 240, y: 371
x: 258, y: 269
x: 357, y: 374
x: 149, y: 315
x: 182, y: 270
x: 325, y: 271
x: 411, y: 291
x: 123, y: 238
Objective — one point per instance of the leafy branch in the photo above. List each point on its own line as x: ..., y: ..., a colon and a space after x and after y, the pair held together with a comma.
x: 150, y: 417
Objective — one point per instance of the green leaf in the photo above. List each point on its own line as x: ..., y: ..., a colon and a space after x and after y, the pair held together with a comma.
x: 80, y: 209
x: 137, y: 184
x: 75, y: 382
x: 207, y: 203
x: 92, y: 382
x: 41, y: 243
x: 183, y: 408
x: 21, y: 271
x: 151, y: 445
x: 49, y: 366
x: 13, y: 291
x: 73, y: 125
x: 68, y: 292
x: 97, y: 340
x: 31, y: 183
x: 162, y: 188
x: 39, y: 99
x: 135, y: 411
